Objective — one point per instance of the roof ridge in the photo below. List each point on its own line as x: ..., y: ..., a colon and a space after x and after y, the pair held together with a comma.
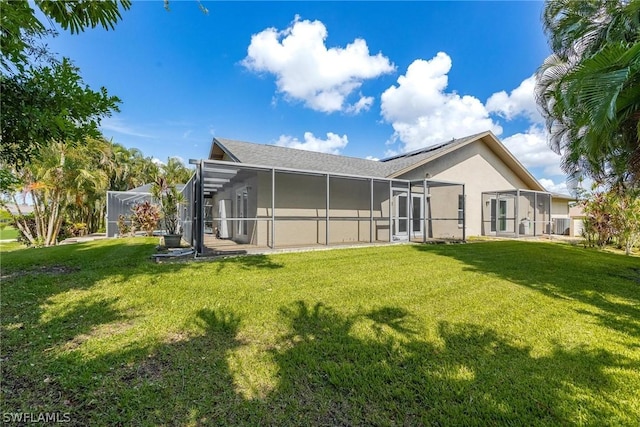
x: 433, y: 147
x: 295, y: 149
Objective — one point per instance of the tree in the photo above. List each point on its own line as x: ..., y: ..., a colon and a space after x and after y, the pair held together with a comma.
x: 66, y: 182
x: 131, y: 169
x: 45, y: 104
x: 175, y: 172
x: 589, y: 88
x: 49, y: 104
x: 21, y: 30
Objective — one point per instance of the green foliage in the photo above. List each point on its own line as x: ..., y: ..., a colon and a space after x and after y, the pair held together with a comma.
x: 45, y: 105
x: 20, y: 28
x: 27, y: 231
x: 589, y: 88
x: 175, y: 172
x: 146, y: 217
x: 9, y: 182
x: 78, y: 15
x: 170, y: 199
x: 5, y: 218
x: 124, y: 226
x: 598, y: 229
x: 625, y: 218
x: 70, y: 181
x: 613, y: 214
x: 130, y: 168
x: 77, y: 229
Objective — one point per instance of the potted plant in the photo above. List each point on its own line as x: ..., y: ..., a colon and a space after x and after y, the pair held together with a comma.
x: 169, y: 198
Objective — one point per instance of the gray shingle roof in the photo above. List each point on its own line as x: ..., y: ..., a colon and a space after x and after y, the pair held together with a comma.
x: 275, y: 156
x: 284, y: 157
x: 403, y: 161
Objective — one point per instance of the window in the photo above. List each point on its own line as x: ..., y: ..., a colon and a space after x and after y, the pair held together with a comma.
x: 460, y: 210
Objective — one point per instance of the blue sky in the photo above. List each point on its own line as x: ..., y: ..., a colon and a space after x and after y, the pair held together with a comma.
x: 364, y: 79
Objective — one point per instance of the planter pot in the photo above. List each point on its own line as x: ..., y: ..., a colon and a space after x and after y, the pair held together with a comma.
x: 172, y: 240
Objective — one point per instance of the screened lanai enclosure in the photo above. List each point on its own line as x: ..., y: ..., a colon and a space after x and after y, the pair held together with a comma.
x: 516, y: 213
x: 122, y: 202
x: 269, y: 207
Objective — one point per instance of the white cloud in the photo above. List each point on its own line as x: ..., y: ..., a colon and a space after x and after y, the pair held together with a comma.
x: 521, y: 102
x: 552, y: 186
x: 363, y: 104
x: 531, y: 149
x: 332, y: 145
x: 117, y: 125
x: 422, y: 113
x: 306, y: 70
x: 375, y: 159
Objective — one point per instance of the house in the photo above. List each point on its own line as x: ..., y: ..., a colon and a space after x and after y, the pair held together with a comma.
x: 272, y: 196
x: 577, y: 220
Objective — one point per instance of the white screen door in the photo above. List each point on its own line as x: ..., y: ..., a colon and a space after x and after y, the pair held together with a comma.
x: 417, y: 215
x: 400, y: 215
x: 242, y: 206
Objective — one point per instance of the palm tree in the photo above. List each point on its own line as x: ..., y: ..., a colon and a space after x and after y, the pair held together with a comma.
x: 589, y: 88
x: 176, y: 172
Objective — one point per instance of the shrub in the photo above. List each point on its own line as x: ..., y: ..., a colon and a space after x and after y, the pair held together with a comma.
x: 614, y: 214
x: 30, y: 221
x: 146, y: 216
x: 123, y: 226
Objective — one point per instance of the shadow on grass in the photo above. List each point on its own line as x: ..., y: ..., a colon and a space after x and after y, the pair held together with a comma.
x: 37, y: 319
x: 608, y: 282
x: 329, y: 375
x: 28, y: 341
x: 31, y: 277
x: 247, y: 262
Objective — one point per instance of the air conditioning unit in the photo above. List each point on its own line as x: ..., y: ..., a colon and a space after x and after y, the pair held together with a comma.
x: 561, y: 226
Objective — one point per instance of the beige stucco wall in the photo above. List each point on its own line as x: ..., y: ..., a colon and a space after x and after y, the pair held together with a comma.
x: 480, y: 169
x: 559, y: 208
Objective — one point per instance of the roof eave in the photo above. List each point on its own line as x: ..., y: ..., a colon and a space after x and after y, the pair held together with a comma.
x: 215, y: 142
x: 437, y: 156
x: 496, y: 146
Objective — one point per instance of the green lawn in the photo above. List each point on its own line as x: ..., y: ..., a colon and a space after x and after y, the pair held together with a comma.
x: 8, y: 233
x: 487, y: 333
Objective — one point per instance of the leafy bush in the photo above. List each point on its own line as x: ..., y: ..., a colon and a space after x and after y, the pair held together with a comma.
x: 145, y: 217
x: 5, y: 218
x: 124, y: 228
x: 77, y: 229
x: 612, y: 215
x: 598, y: 229
x: 30, y: 221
